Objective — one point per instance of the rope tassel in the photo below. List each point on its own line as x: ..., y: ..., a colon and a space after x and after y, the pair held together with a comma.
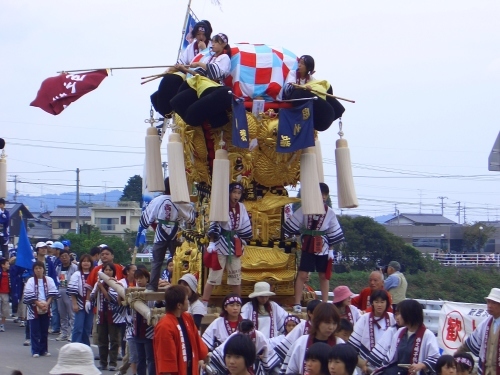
x: 219, y: 199
x: 154, y: 173
x: 312, y: 201
x: 178, y: 183
x: 345, y: 182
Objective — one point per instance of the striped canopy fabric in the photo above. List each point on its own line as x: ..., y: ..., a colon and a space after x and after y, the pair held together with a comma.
x: 258, y: 70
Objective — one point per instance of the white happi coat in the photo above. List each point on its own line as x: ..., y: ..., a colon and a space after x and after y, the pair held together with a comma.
x: 294, y: 360
x: 475, y: 342
x: 284, y: 346
x: 215, y: 334
x: 429, y: 352
x: 360, y: 337
x: 279, y: 316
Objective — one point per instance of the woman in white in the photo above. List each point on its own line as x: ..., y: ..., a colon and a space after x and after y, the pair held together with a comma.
x: 267, y: 316
x: 221, y: 328
x: 325, y: 321
x: 342, y: 299
x: 196, y: 307
x: 371, y: 326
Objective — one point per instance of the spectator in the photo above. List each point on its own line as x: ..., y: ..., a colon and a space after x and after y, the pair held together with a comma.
x: 465, y: 363
x: 64, y: 305
x: 239, y: 355
x: 342, y: 360
x: 4, y: 229
x: 196, y: 307
x: 76, y: 359
x: 95, y: 253
x: 342, y: 300
x: 362, y: 300
x: 5, y: 291
x: 396, y: 283
x: 107, y: 255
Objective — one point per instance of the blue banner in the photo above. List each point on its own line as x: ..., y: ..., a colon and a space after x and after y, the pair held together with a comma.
x: 295, y: 128
x: 24, y: 256
x: 188, y: 26
x: 240, y: 125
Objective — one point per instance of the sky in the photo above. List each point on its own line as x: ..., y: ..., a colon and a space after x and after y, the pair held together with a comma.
x: 425, y: 76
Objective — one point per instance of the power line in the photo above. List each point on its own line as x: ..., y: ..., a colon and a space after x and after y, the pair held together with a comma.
x: 74, y: 143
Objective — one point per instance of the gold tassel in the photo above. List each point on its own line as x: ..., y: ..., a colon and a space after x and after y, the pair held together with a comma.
x: 345, y: 182
x: 154, y: 173
x: 3, y: 175
x: 319, y: 161
x: 219, y: 198
x: 177, y: 172
x: 310, y: 193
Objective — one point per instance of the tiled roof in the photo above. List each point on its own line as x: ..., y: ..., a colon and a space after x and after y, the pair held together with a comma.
x: 426, y: 219
x: 70, y: 211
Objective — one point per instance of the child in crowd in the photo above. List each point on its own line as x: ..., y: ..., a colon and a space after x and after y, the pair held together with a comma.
x: 316, y: 359
x: 5, y: 289
x: 446, y: 365
x: 342, y: 360
x: 239, y: 355
x: 166, y: 275
x: 465, y: 363
x: 291, y: 321
x: 345, y: 329
x: 196, y: 307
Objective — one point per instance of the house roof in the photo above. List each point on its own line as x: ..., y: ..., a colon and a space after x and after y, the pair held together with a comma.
x: 14, y: 207
x: 39, y: 230
x: 431, y: 219
x: 70, y: 211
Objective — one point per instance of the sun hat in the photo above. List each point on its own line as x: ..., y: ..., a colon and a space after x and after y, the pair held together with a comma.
x: 40, y: 244
x: 341, y: 293
x: 57, y: 245
x: 394, y: 265
x: 75, y: 358
x: 261, y: 289
x: 494, y: 295
x: 190, y: 280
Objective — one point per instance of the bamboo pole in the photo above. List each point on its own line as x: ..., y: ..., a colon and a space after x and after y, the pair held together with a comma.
x: 183, y: 30
x: 118, y: 68
x: 323, y: 93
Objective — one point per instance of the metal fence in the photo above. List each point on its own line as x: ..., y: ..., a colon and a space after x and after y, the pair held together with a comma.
x: 468, y: 260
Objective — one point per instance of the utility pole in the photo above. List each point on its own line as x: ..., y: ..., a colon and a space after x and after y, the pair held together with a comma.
x: 442, y: 204
x: 105, y: 190
x: 15, y: 188
x: 420, y: 202
x: 465, y: 220
x: 164, y: 165
x: 77, y: 200
x: 458, y: 212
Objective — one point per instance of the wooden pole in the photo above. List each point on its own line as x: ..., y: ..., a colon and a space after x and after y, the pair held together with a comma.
x: 323, y: 93
x: 119, y: 68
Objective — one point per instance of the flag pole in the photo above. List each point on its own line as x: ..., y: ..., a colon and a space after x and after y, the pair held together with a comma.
x: 184, y: 30
x: 119, y: 68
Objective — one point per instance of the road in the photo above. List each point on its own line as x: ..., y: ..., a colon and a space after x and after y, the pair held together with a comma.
x: 15, y: 356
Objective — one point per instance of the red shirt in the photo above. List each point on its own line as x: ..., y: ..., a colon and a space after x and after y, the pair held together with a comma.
x: 4, y: 283
x: 92, y: 279
x: 362, y: 300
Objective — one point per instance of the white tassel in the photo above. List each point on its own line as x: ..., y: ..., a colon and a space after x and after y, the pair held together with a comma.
x: 319, y: 161
x: 345, y: 182
x: 310, y: 193
x: 219, y: 197
x: 3, y: 175
x: 154, y: 173
x: 177, y: 171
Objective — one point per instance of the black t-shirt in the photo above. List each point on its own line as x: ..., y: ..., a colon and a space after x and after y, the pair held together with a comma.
x: 189, y: 350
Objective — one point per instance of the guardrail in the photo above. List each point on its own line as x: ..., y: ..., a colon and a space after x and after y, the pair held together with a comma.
x: 468, y: 260
x: 432, y: 308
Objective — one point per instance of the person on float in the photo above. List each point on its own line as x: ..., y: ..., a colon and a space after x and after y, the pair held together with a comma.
x: 203, y: 97
x: 239, y: 355
x: 39, y: 292
x: 326, y: 319
x: 465, y: 363
x: 319, y: 233
x: 170, y: 83
x: 178, y: 347
x: 222, y: 327
x: 300, y: 329
x: 484, y: 341
x: 342, y: 299
x: 412, y: 344
x: 227, y: 239
x: 168, y: 215
x: 342, y: 360
x: 371, y: 326
x: 316, y: 359
x: 325, y: 109
x: 82, y: 327
x: 362, y: 300
x: 267, y: 316
x: 266, y: 359
x: 196, y: 307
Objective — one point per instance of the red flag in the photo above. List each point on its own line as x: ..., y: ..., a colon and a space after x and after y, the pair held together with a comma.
x: 56, y: 93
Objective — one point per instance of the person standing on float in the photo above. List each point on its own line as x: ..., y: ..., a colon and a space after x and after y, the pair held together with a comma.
x: 318, y: 235
x: 227, y: 239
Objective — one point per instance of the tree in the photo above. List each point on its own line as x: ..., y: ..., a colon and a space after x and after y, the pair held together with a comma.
x: 133, y: 190
x: 476, y: 235
x: 369, y: 245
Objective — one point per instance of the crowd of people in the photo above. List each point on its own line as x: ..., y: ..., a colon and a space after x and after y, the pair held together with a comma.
x: 377, y: 331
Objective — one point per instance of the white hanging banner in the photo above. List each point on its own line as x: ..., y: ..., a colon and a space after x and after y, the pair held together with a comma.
x: 457, y: 320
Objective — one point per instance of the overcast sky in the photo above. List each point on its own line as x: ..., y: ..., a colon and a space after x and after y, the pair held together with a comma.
x: 425, y: 76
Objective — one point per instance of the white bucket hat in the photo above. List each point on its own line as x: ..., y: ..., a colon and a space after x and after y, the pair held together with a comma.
x: 261, y: 289
x: 40, y: 244
x: 494, y: 295
x: 75, y: 358
x: 190, y: 280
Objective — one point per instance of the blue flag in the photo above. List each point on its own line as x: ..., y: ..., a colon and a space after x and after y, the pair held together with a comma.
x: 186, y: 31
x: 25, y: 256
x: 240, y: 125
x: 295, y: 128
